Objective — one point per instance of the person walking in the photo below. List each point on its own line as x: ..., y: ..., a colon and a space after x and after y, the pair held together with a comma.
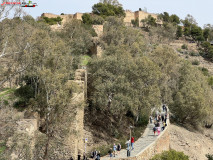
x: 154, y: 130
x: 128, y: 144
x: 119, y: 148
x: 114, y: 149
x: 158, y: 129
x: 132, y: 142
x: 150, y: 119
x: 162, y: 118
x: 98, y: 156
x: 110, y: 153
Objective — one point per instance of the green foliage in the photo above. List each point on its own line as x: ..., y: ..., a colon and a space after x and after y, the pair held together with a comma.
x: 119, y: 83
x: 164, y: 16
x: 210, y: 81
x: 196, y: 33
x: 179, y: 32
x: 78, y: 37
x: 171, y: 155
x: 2, y: 148
x: 53, y: 21
x: 204, y: 71
x: 209, y: 156
x: 7, y: 92
x: 92, y: 19
x: 194, y: 54
x: 195, y: 62
x: 149, y: 22
x: 184, y: 46
x: 106, y: 9
x: 174, y: 19
x: 135, y: 22
x: 192, y: 98
x: 85, y: 59
x: 206, y: 33
x: 86, y: 18
x: 207, y: 50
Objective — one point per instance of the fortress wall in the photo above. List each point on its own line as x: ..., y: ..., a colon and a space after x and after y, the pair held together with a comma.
x: 143, y: 15
x: 129, y: 17
x: 78, y: 16
x: 99, y: 29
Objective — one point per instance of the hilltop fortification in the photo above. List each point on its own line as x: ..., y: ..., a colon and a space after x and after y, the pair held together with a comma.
x: 140, y: 15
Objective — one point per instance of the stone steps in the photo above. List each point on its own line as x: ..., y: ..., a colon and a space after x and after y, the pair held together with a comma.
x: 139, y: 145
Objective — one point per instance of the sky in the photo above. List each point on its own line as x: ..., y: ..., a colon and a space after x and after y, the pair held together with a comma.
x: 201, y: 10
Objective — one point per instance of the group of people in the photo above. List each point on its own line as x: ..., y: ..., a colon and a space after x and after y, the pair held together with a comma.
x: 159, y: 117
x: 116, y: 149
x: 96, y: 155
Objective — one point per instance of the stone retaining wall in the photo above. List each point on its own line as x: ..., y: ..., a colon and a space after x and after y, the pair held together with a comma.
x: 158, y: 146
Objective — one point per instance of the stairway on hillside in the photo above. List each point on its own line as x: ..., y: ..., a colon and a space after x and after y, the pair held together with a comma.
x: 140, y: 144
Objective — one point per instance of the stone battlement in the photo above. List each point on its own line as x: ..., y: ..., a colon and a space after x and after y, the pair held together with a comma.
x: 127, y: 20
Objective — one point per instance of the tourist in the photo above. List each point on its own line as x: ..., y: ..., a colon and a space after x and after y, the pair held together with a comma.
x: 114, y: 149
x: 164, y: 126
x: 159, y: 118
x: 164, y: 107
x: 98, y: 156
x: 128, y: 144
x: 119, y: 148
x: 132, y: 142
x: 150, y: 119
x: 110, y: 152
x: 158, y: 129
x: 162, y: 118
x: 154, y: 130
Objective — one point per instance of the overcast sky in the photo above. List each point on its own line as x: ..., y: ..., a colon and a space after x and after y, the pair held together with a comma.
x: 201, y: 10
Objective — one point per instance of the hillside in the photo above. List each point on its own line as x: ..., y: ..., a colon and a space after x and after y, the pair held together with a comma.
x: 96, y: 81
x: 193, y: 143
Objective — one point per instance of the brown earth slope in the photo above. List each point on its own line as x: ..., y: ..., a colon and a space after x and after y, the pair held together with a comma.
x: 194, y: 144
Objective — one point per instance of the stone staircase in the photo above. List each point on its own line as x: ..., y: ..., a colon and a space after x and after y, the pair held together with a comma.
x: 140, y: 145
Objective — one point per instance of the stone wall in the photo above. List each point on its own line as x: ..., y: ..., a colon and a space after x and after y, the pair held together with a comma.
x: 127, y: 20
x: 77, y: 140
x: 158, y: 146
x: 65, y: 17
x: 140, y: 15
x: 99, y: 29
x: 78, y: 16
x: 129, y: 17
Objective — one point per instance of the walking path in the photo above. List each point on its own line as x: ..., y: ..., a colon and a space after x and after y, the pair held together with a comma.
x: 140, y: 144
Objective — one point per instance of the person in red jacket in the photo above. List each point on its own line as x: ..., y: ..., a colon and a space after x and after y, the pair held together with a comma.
x: 132, y: 142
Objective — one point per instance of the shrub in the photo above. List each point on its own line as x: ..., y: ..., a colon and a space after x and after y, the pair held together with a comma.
x: 106, y: 9
x: 204, y: 71
x: 194, y: 54
x: 210, y: 81
x: 2, y: 147
x: 209, y: 156
x: 184, y: 46
x: 171, y: 155
x: 53, y: 21
x: 135, y: 23
x: 92, y: 19
x: 195, y: 62
x: 179, y: 50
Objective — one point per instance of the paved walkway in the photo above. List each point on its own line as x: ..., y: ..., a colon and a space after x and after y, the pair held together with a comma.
x: 139, y: 145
